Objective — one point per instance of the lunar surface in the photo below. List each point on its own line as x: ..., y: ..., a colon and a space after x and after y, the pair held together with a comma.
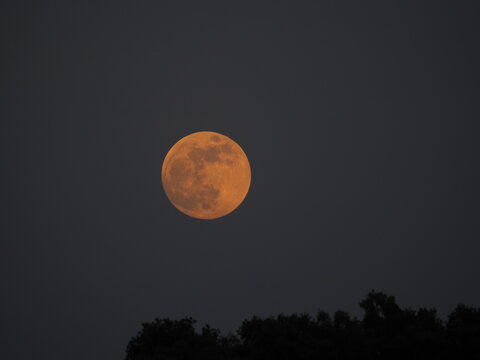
x: 206, y: 175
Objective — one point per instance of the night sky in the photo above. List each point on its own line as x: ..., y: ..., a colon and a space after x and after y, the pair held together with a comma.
x: 360, y: 122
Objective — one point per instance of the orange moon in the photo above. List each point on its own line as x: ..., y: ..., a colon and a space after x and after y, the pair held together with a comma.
x: 206, y: 175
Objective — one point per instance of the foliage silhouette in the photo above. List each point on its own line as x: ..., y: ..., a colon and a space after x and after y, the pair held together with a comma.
x: 385, y: 332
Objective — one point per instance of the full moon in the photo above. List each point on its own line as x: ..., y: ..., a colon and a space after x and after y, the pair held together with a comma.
x: 206, y: 175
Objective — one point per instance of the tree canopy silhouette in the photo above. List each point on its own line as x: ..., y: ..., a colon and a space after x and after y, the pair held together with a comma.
x: 386, y: 331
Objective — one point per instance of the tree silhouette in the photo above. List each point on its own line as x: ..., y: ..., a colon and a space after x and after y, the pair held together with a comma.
x: 385, y: 332
x: 174, y: 339
x: 463, y: 329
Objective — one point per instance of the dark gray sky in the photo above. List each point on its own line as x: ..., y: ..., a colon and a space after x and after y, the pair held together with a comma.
x: 360, y: 121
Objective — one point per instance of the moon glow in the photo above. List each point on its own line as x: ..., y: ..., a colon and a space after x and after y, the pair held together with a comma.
x: 206, y: 175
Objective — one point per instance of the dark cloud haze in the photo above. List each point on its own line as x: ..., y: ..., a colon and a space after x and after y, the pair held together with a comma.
x: 360, y: 121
